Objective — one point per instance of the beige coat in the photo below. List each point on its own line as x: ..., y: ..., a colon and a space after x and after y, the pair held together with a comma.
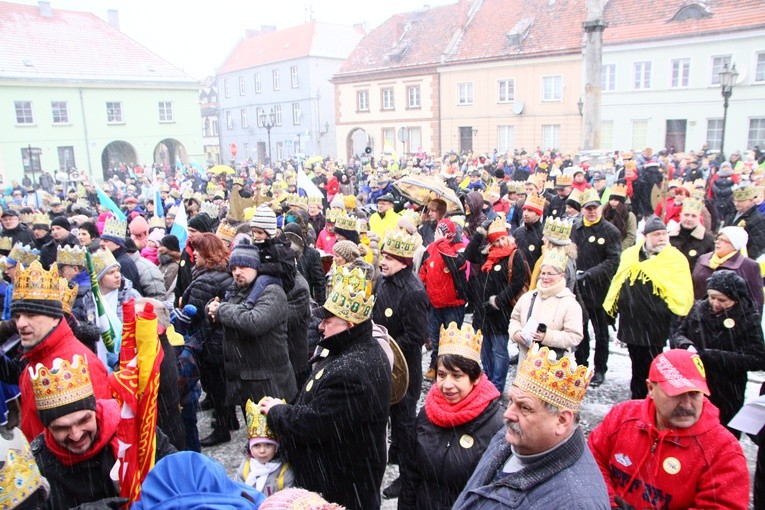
x: 560, y: 311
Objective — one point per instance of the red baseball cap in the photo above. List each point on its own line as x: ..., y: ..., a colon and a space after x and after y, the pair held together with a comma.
x: 679, y: 371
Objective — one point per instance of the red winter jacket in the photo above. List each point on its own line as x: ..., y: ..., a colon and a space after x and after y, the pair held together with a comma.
x: 436, y: 277
x: 701, y: 467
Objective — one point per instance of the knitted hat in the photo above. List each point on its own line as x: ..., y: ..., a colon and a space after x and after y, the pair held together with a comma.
x: 652, y: 224
x: 103, y: 262
x: 346, y: 249
x: 407, y: 224
x: 297, y: 499
x: 139, y: 226
x: 201, y: 222
x: 156, y: 235
x: 737, y: 236
x: 349, y: 202
x: 265, y: 219
x: 36, y: 291
x: 245, y: 255
x: 729, y: 283
x: 62, y: 389
x: 171, y: 243
x: 61, y: 221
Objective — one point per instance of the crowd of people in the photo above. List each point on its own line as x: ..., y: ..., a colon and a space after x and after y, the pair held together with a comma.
x: 302, y: 299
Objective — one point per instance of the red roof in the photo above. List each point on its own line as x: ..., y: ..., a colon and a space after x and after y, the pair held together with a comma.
x: 313, y: 39
x: 74, y: 45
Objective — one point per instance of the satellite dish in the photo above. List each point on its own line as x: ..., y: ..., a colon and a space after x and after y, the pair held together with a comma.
x: 518, y: 107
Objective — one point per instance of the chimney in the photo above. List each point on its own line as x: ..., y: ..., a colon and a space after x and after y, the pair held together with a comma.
x: 45, y: 10
x: 114, y: 18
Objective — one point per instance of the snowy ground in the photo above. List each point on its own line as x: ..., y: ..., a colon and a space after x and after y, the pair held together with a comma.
x: 596, y: 405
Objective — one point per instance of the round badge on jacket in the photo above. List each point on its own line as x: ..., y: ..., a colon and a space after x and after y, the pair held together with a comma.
x: 729, y: 323
x: 692, y: 253
x: 591, y: 239
x: 671, y: 465
x: 388, y: 312
x: 497, y: 267
x: 466, y: 441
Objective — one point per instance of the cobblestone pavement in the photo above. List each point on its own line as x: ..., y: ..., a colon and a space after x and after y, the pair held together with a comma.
x: 596, y: 405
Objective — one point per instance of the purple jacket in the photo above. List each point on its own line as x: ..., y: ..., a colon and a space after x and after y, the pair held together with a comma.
x: 745, y: 267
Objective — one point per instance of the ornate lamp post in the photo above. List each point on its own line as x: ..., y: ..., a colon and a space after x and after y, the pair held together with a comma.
x: 728, y: 79
x: 267, y: 121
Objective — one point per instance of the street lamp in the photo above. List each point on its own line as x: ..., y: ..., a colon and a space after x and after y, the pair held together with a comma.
x: 267, y: 121
x: 728, y: 79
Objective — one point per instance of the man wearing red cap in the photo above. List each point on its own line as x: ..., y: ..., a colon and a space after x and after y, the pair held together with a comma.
x: 528, y: 236
x: 669, y: 450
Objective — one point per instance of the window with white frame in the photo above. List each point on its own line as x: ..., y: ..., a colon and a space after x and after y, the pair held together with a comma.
x: 641, y: 76
x: 279, y: 150
x: 505, y: 138
x: 165, y: 111
x: 756, y: 132
x: 362, y: 100
x: 275, y: 79
x: 608, y: 77
x: 414, y: 142
x: 241, y: 85
x: 243, y: 115
x: 259, y: 116
x: 550, y: 136
x: 465, y: 93
x: 681, y: 72
x: 294, y: 77
x: 229, y: 120
x: 60, y: 112
x: 714, y: 134
x: 214, y: 128
x: 23, y: 112
x: 506, y: 91
x: 113, y: 111
x: 759, y: 67
x: 607, y: 134
x: 387, y: 99
x: 552, y: 89
x: 258, y: 84
x: 639, y: 133
x: 226, y: 88
x: 389, y: 137
x: 277, y: 115
x: 413, y: 96
x: 297, y: 115
x: 718, y: 63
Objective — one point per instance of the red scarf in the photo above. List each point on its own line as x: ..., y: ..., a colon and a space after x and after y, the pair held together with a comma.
x: 445, y: 415
x: 497, y: 253
x: 107, y: 419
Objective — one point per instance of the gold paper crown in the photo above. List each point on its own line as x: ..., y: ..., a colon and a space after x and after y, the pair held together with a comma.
x: 537, y: 180
x: 355, y: 278
x: 173, y: 211
x: 699, y: 183
x: 24, y: 255
x: 549, y: 184
x: 114, y: 227
x: 555, y: 257
x: 83, y: 202
x: 316, y: 200
x: 463, y: 342
x: 71, y: 255
x: 399, y: 243
x: 589, y: 195
x: 3, y: 264
x: 293, y: 199
x: 411, y: 215
x: 332, y: 214
x: 559, y: 382
x: 536, y: 201
x: 62, y: 384
x: 674, y: 183
x: 291, y: 181
x: 619, y: 190
x: 226, y: 232
x: 238, y: 180
x: 744, y: 192
x: 41, y: 219
x: 497, y: 226
x: 19, y: 475
x: 345, y: 222
x: 564, y: 180
x: 257, y: 427
x: 557, y: 229
x: 516, y: 186
x: 35, y: 282
x: 693, y: 205
x: 349, y: 305
x: 102, y: 259
x: 156, y: 222
x: 575, y: 196
x: 28, y: 218
x: 210, y: 208
x: 68, y: 295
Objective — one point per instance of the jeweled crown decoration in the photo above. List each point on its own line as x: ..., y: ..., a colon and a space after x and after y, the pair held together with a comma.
x: 226, y: 232
x: 345, y: 222
x: 71, y: 255
x: 114, y: 227
x: 19, y: 475
x: 6, y: 243
x: 103, y: 259
x: 399, y: 243
x: 34, y: 282
x: 212, y: 209
x: 559, y: 382
x: 564, y: 180
x: 62, y: 383
x: 619, y: 190
x: 744, y: 192
x: 68, y: 295
x: 349, y: 305
x: 693, y: 205
x: 354, y: 278
x: 23, y: 254
x: 256, y: 422
x: 463, y: 342
x: 589, y: 195
x: 557, y: 229
x: 535, y: 201
x: 555, y: 257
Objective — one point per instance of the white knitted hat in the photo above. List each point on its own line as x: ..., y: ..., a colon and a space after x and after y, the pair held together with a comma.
x: 264, y: 218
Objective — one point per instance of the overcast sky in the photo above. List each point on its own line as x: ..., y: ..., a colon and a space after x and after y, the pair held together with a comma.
x: 197, y: 36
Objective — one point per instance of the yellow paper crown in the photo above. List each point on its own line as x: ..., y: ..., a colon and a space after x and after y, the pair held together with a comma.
x: 674, y: 183
x: 535, y: 201
x: 3, y: 264
x: 491, y: 194
x: 744, y: 192
x: 257, y: 427
x: 332, y: 213
x: 295, y: 200
x: 589, y: 195
x: 549, y: 184
x: 35, y: 282
x: 537, y: 180
x: 575, y: 196
x: 399, y: 243
x: 693, y: 205
x: 28, y: 218
x: 226, y: 232
x: 19, y: 475
x: 210, y: 208
x: 68, y: 295
x: 699, y: 183
x: 40, y: 219
x: 557, y: 229
x: 555, y: 257
x: 463, y: 342
x: 619, y: 190
x: 6, y: 243
x: 71, y: 255
x: 316, y: 200
x: 62, y: 384
x: 156, y: 222
x: 497, y: 226
x: 516, y: 186
x: 349, y: 305
x: 22, y: 254
x: 345, y: 222
x: 559, y: 382
x: 564, y: 180
x: 354, y: 278
x: 103, y: 259
x: 114, y: 227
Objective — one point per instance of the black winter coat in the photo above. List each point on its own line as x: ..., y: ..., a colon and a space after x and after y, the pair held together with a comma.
x: 169, y: 397
x: 441, y: 465
x: 298, y: 319
x: 557, y: 207
x: 206, y: 335
x: 599, y: 249
x: 754, y: 224
x: 529, y: 240
x: 693, y: 243
x: 334, y: 434
x: 21, y: 234
x: 128, y: 268
x: 48, y: 253
x: 309, y: 265
x: 728, y: 353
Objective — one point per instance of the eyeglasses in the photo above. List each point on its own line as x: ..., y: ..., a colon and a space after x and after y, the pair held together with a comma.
x: 549, y: 274
x: 722, y: 239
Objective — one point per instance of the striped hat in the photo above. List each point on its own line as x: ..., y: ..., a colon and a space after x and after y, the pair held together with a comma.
x: 264, y: 218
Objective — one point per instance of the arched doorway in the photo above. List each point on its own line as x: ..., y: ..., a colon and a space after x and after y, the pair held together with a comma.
x: 168, y: 151
x: 356, y: 144
x: 115, y: 154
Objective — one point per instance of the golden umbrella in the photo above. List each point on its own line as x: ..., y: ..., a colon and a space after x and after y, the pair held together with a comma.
x: 424, y: 188
x: 221, y: 169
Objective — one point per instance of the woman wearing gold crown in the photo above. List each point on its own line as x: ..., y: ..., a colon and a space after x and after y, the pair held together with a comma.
x: 460, y: 416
